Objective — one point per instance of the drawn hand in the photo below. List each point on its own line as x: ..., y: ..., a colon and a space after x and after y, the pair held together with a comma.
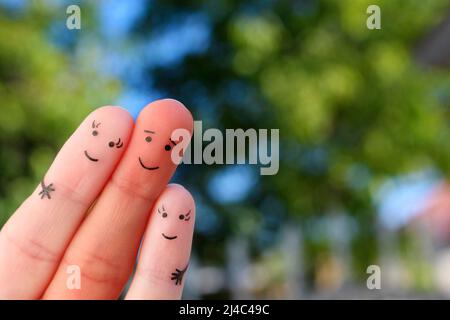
x: 106, y: 187
x: 177, y: 276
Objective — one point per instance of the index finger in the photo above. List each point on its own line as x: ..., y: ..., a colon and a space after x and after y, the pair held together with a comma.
x: 105, y: 246
x: 33, y: 241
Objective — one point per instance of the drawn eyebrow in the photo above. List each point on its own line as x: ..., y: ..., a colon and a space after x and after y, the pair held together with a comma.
x: 149, y: 131
x: 174, y: 143
x: 95, y: 125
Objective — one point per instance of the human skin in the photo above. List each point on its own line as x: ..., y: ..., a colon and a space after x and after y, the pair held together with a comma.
x: 169, y: 230
x: 92, y: 208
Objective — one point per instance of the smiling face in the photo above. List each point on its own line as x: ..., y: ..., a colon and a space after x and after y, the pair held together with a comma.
x: 148, y: 157
x: 174, y: 213
x: 166, y: 245
x: 149, y: 139
x: 88, y: 158
x: 182, y: 217
x: 96, y: 133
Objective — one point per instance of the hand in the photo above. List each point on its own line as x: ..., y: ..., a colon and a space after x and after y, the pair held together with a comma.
x: 87, y: 217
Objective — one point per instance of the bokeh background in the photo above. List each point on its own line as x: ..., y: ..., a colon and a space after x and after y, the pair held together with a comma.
x: 364, y: 119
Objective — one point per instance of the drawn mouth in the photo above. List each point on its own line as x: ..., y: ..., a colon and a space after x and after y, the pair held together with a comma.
x: 89, y: 157
x: 145, y: 167
x: 169, y: 238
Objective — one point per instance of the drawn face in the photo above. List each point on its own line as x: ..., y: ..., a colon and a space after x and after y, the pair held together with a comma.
x: 96, y: 133
x: 149, y: 136
x: 148, y: 158
x: 182, y: 217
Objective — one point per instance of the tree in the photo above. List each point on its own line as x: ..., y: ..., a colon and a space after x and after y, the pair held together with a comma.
x: 45, y: 93
x: 352, y: 105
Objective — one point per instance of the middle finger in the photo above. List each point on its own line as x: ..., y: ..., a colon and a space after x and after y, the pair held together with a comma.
x: 105, y: 247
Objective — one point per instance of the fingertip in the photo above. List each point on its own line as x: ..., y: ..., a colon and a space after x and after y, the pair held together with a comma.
x: 172, y: 110
x: 176, y: 103
x: 148, y: 165
x: 177, y: 201
x: 166, y: 247
x: 112, y: 121
x: 95, y: 147
x: 114, y: 113
x: 177, y: 191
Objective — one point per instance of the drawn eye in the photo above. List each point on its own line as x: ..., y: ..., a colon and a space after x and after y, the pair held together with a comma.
x: 168, y: 147
x: 111, y: 144
x: 163, y: 212
x: 95, y: 126
x: 148, y: 139
x: 185, y: 217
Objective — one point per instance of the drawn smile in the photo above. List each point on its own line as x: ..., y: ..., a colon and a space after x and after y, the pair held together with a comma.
x: 89, y: 157
x: 169, y: 238
x: 145, y: 167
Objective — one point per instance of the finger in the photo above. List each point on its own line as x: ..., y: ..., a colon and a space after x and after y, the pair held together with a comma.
x: 33, y: 241
x: 105, y: 247
x: 165, y: 250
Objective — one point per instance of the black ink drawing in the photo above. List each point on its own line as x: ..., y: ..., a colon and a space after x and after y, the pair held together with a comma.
x: 89, y: 157
x: 162, y: 212
x: 95, y: 126
x: 146, y: 167
x: 178, y: 275
x: 111, y: 144
x: 168, y: 237
x: 149, y: 139
x: 185, y: 217
x: 45, y: 192
x: 168, y: 147
x: 118, y: 144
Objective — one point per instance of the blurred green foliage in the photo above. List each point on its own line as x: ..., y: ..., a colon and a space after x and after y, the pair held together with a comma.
x: 352, y: 105
x: 44, y: 95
